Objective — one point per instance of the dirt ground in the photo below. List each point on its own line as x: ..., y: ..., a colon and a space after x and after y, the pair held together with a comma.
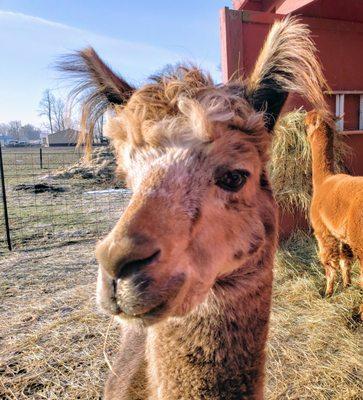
x: 52, y: 337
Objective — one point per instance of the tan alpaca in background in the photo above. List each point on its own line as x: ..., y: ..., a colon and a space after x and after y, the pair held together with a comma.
x: 187, y: 270
x: 336, y: 211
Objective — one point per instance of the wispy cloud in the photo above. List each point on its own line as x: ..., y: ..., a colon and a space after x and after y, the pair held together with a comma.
x: 81, y: 36
x: 30, y: 44
x: 35, y: 20
x: 132, y: 51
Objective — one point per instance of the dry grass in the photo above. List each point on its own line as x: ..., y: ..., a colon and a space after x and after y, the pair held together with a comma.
x: 290, y: 168
x: 315, y: 347
x: 51, y: 341
x: 52, y: 336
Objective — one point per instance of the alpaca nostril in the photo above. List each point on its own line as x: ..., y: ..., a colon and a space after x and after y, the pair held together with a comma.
x: 131, y: 266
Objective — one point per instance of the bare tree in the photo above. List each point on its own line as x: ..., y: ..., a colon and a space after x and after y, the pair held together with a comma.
x: 14, y: 130
x: 46, y: 107
x: 56, y: 113
x: 59, y: 115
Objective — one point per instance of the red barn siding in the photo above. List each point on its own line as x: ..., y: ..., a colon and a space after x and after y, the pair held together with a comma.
x: 351, y: 113
x: 344, y: 10
x: 355, y: 160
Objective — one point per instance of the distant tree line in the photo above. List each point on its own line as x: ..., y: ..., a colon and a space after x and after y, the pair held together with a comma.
x: 19, y: 132
x: 55, y: 118
x: 52, y: 108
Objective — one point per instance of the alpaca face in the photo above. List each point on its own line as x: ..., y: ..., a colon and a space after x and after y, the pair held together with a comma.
x: 319, y: 127
x: 312, y: 122
x: 194, y: 154
x: 194, y: 217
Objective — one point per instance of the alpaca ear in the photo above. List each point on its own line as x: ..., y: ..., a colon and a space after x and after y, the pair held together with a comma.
x: 287, y: 63
x: 97, y: 87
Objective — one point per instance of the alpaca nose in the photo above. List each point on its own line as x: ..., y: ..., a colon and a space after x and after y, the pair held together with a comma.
x: 123, y: 257
x: 133, y: 265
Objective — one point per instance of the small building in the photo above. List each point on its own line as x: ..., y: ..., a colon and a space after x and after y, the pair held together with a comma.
x: 67, y: 137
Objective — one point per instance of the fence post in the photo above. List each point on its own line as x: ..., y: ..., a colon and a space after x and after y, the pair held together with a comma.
x: 41, y: 157
x: 5, y: 206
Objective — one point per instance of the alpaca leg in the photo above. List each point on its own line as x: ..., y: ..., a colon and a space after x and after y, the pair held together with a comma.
x: 346, y: 258
x: 360, y: 260
x: 329, y: 254
x: 330, y: 274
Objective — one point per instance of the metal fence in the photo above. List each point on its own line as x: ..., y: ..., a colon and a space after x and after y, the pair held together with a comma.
x: 42, y: 206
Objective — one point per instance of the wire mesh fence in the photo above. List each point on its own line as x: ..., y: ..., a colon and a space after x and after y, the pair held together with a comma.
x: 45, y: 208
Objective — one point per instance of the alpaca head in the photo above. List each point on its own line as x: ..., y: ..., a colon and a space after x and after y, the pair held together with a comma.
x: 319, y: 125
x: 194, y: 154
x: 313, y: 121
x: 198, y: 180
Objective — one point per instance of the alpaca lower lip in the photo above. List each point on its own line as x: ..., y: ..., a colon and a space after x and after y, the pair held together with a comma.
x: 152, y: 312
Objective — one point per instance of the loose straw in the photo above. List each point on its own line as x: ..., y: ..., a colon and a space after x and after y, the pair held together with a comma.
x: 105, y: 345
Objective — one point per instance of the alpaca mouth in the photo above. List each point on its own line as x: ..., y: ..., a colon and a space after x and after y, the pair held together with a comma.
x: 118, y: 299
x: 111, y: 305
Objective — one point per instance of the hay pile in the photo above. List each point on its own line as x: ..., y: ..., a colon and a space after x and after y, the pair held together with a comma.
x: 52, y: 337
x: 100, y: 167
x: 290, y: 166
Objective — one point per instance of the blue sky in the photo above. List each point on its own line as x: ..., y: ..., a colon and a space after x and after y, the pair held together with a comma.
x: 136, y: 38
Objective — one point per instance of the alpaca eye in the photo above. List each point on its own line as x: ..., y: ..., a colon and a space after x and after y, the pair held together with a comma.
x: 232, y: 181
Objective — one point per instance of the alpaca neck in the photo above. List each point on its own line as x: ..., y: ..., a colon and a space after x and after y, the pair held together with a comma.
x: 217, y: 351
x: 322, y: 147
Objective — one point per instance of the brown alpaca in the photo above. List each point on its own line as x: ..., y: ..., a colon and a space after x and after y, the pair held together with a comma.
x: 187, y: 269
x: 336, y: 211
